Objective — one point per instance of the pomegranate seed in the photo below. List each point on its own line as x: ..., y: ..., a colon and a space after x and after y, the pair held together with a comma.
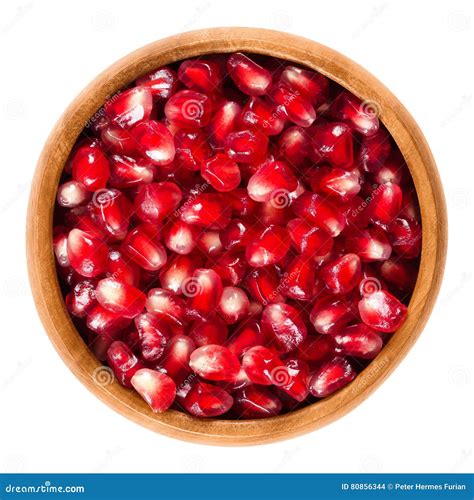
x: 343, y: 274
x: 201, y: 75
x: 362, y: 116
x: 206, y: 210
x: 111, y: 211
x: 211, y: 331
x: 382, y: 311
x: 400, y: 273
x: 86, y: 253
x: 359, y: 341
x: 105, y: 322
x: 385, y: 205
x: 335, y: 182
x: 90, y: 167
x: 162, y: 302
x: 127, y: 172
x: 177, y: 272
x: 332, y: 142
x: 123, y: 362
x: 369, y: 244
x: 330, y: 314
x: 332, y: 376
x: 129, y: 107
x: 394, y: 169
x: 273, y: 180
x: 60, y: 239
x: 120, y: 297
x: 234, y: 304
x: 119, y: 267
x: 311, y: 85
x: 263, y: 116
x: 224, y: 121
x: 299, y: 280
x: 246, y: 146
x: 222, y: 173
x: 72, y: 194
x: 162, y: 83
x: 298, y: 109
x: 192, y: 149
x: 317, y: 348
x: 180, y: 237
x: 175, y: 361
x: 249, y: 77
x: 261, y: 364
x: 294, y: 381
x: 271, y: 244
x: 204, y: 290
x: 153, y: 336
x: 294, y: 146
x: 320, y: 212
x: 237, y: 234
x: 242, y: 204
x: 206, y: 400
x: 156, y: 388
x: 249, y: 335
x: 410, y: 209
x: 308, y: 240
x: 188, y: 109
x: 156, y: 201
x: 210, y: 243
x: 374, y: 150
x: 118, y: 140
x: 81, y: 299
x: 405, y: 237
x: 256, y: 402
x: 263, y: 285
x: 154, y: 142
x: 214, y: 362
x: 143, y: 249
x: 276, y: 212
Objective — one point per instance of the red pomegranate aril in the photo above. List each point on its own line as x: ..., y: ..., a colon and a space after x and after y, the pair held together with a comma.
x: 294, y: 146
x: 318, y: 211
x: 276, y: 212
x: 374, y: 150
x: 246, y: 146
x: 237, y: 234
x: 72, y: 194
x: 309, y: 240
x: 81, y: 299
x: 162, y: 83
x: 121, y: 268
x: 90, y: 167
x: 332, y: 142
x: 263, y: 116
x: 246, y: 336
x: 156, y: 388
x: 154, y: 142
x: 86, y: 253
x: 143, y: 249
x: 343, y: 274
x: 362, y: 116
x: 359, y: 341
x: 335, y: 182
x: 330, y: 314
x: 242, y: 204
x: 271, y: 244
x: 410, y: 208
x: 385, y: 205
x: 60, y: 239
x: 299, y: 280
x: 112, y: 211
x: 156, y: 201
x: 311, y: 85
x: 180, y: 237
x: 201, y: 75
x: 263, y: 285
x: 214, y: 362
x: 225, y: 120
x: 177, y: 272
x: 210, y: 244
x: 129, y: 107
x: 394, y: 169
x: 232, y: 267
x: 206, y: 400
x: 273, y: 180
x: 188, y: 109
x: 204, y: 291
x: 233, y: 305
x: 123, y: 362
x: 162, y: 302
x: 118, y: 140
x: 175, y: 359
x: 405, y: 237
x: 120, y: 297
x: 400, y: 273
x: 192, y: 149
x: 314, y: 348
x: 283, y: 326
x: 206, y: 210
x: 371, y: 244
x: 294, y: 381
x: 330, y: 377
x: 221, y: 172
x: 382, y: 311
x: 127, y: 172
x: 260, y: 365
x: 249, y: 77
x: 104, y: 322
x: 297, y: 108
x: 256, y: 402
x: 153, y: 332
x: 211, y: 331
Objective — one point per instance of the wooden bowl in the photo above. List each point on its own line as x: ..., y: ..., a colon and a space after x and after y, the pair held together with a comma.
x: 44, y: 282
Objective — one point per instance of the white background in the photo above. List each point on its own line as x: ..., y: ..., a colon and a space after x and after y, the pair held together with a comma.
x: 421, y: 419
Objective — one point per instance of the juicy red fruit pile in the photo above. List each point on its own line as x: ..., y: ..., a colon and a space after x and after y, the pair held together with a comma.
x: 236, y: 236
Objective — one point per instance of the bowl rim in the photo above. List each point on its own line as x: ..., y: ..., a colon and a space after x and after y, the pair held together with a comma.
x: 41, y: 267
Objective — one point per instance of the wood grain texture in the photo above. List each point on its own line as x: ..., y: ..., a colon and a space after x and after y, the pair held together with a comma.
x: 44, y: 282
